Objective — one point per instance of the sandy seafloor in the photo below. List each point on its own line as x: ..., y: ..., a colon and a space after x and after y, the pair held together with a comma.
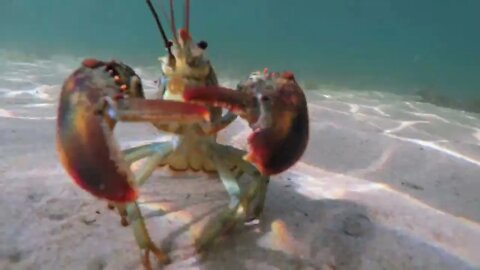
x: 386, y: 183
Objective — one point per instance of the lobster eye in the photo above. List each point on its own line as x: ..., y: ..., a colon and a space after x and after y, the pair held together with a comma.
x: 202, y: 45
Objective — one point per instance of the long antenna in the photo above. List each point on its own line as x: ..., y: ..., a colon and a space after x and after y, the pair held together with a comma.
x: 160, y: 27
x: 172, y: 18
x: 164, y: 13
x: 187, y: 15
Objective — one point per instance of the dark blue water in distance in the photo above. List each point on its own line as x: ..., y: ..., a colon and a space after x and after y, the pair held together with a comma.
x: 386, y: 45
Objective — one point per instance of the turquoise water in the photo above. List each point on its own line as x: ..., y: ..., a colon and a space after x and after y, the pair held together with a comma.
x: 389, y: 45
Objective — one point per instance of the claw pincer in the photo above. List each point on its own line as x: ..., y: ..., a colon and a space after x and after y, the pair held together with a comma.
x: 93, y: 98
x: 85, y: 140
x: 276, y: 109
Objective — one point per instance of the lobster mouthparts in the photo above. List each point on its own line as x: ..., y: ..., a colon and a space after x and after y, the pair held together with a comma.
x: 275, y: 107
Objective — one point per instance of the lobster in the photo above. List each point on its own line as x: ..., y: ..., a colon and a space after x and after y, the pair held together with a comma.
x: 100, y: 94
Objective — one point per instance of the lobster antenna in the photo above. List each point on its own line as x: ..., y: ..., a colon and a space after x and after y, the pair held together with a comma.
x: 187, y: 15
x: 172, y: 18
x: 160, y: 27
x: 164, y: 13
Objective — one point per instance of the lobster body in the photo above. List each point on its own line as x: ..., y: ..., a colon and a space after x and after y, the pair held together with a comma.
x: 190, y: 106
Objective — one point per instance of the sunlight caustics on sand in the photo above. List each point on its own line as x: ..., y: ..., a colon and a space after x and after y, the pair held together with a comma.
x: 404, y: 170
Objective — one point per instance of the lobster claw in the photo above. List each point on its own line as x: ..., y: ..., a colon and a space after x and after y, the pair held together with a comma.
x: 275, y: 107
x: 93, y: 98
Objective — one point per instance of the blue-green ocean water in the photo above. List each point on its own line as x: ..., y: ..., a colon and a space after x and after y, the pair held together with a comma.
x: 389, y: 45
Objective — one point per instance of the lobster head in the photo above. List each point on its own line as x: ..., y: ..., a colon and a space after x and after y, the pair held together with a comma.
x: 186, y: 63
x: 275, y: 107
x: 186, y: 59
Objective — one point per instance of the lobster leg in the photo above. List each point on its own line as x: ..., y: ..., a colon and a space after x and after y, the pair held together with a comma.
x: 240, y: 202
x: 130, y: 213
x: 229, y: 217
x: 122, y: 211
x: 138, y: 152
x: 156, y: 153
x: 142, y: 237
x: 259, y: 188
x: 236, y: 157
x: 142, y: 174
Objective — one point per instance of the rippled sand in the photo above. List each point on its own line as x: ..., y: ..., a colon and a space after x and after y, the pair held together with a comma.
x: 386, y: 183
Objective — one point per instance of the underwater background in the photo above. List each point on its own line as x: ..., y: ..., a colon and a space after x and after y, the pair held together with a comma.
x: 382, y: 157
x: 387, y: 45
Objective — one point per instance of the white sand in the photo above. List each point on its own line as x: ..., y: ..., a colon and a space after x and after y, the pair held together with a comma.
x: 386, y: 183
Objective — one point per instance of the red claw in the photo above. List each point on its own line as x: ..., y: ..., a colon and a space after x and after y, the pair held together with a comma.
x: 91, y: 102
x: 276, y: 109
x: 85, y: 142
